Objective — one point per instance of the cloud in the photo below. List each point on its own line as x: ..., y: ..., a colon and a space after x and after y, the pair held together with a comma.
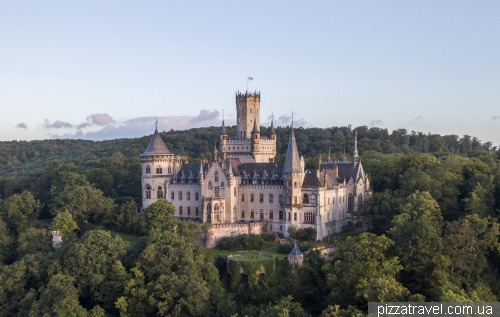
x: 137, y: 127
x: 100, y: 119
x: 83, y: 125
x: 412, y: 122
x: 56, y: 125
x: 286, y: 120
x: 495, y: 118
x: 206, y: 115
x: 375, y: 122
x: 22, y: 125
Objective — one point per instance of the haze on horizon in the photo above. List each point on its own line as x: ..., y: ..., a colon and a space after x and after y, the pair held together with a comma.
x: 103, y: 70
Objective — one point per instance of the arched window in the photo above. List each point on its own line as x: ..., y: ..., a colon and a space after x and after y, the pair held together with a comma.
x: 209, y: 208
x: 360, y: 200
x: 148, y: 192
x: 158, y: 170
x: 148, y: 169
x: 350, y: 203
x: 313, y: 199
x: 216, y: 176
x: 210, y: 185
x: 216, y: 191
x: 159, y: 193
x: 216, y: 207
x: 305, y: 200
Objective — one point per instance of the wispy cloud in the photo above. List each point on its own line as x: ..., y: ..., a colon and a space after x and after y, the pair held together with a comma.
x: 56, y: 125
x: 286, y: 120
x: 494, y: 118
x: 412, y: 122
x: 22, y: 125
x: 100, y: 119
x: 375, y: 122
x: 206, y: 115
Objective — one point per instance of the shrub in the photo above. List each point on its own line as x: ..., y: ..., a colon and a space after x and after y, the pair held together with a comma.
x: 241, y: 243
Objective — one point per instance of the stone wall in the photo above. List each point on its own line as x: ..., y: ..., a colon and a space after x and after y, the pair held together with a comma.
x: 219, y: 231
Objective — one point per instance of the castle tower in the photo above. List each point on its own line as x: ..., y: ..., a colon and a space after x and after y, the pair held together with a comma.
x: 248, y: 113
x: 158, y: 169
x: 293, y: 171
x: 295, y: 257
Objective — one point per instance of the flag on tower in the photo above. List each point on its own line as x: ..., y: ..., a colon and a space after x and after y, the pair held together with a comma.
x: 250, y: 78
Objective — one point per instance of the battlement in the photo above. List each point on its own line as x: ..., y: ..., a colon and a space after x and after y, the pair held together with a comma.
x: 248, y: 96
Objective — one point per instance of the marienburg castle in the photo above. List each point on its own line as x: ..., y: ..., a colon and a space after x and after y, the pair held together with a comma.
x: 244, y: 191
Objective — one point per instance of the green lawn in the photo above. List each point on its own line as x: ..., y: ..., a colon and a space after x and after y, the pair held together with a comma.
x: 273, y: 250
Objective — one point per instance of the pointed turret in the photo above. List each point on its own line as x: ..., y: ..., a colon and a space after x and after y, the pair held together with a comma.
x: 156, y: 146
x: 329, y: 158
x: 223, y: 129
x: 343, y: 159
x: 255, y: 128
x: 355, y: 152
x: 292, y: 160
x: 272, y: 131
x: 215, y: 153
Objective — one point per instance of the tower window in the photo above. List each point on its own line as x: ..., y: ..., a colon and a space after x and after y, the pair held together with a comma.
x: 271, y: 198
x: 148, y: 192
x: 158, y: 170
x: 172, y: 195
x: 242, y: 197
x: 159, y: 193
x: 188, y: 196
x: 195, y: 196
x: 313, y: 200
x: 305, y: 200
x: 148, y: 169
x: 180, y: 195
x: 243, y: 214
x: 251, y: 198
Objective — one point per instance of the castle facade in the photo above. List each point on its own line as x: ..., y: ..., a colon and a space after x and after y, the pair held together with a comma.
x: 243, y: 187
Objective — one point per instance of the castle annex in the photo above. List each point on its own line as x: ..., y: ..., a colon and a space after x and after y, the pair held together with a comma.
x: 244, y: 191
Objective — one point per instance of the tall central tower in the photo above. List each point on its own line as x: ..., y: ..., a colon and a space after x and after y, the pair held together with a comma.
x: 248, y: 109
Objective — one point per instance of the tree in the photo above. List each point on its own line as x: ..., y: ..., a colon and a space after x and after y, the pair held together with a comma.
x: 66, y: 225
x: 22, y: 208
x: 5, y: 241
x: 360, y: 268
x: 33, y: 240
x: 417, y: 233
x: 158, y: 217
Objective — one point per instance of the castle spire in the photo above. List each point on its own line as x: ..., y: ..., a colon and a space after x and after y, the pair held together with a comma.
x: 343, y: 159
x: 255, y: 128
x: 215, y: 152
x: 329, y: 158
x: 355, y: 152
x: 223, y: 128
x: 292, y: 160
x: 272, y: 131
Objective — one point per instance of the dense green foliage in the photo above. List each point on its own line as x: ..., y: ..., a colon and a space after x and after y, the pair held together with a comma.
x: 245, y: 242
x: 433, y: 216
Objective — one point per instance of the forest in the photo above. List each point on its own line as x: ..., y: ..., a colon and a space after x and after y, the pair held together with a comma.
x: 433, y: 216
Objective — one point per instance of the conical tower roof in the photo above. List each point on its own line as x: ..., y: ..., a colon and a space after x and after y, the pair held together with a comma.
x: 156, y: 146
x: 272, y: 131
x: 223, y: 129
x: 295, y: 251
x: 292, y: 160
x: 255, y: 128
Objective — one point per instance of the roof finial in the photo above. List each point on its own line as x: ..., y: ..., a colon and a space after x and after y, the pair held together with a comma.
x: 355, y: 152
x: 156, y: 123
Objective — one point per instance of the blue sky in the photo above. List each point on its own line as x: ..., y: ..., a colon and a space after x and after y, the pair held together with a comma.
x: 105, y: 69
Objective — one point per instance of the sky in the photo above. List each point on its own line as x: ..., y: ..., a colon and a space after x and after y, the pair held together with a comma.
x: 106, y: 69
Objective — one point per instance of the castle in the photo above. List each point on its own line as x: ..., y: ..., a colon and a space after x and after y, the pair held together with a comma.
x: 244, y: 191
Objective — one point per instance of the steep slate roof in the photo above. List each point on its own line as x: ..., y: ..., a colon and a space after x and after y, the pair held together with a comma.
x: 156, y: 146
x: 292, y: 160
x: 310, y: 180
x: 295, y: 251
x: 346, y: 169
x: 272, y: 131
x: 255, y: 128
x: 259, y: 168
x: 223, y: 129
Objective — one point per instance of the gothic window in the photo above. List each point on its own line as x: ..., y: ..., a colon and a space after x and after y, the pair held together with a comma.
x: 252, y: 215
x: 180, y: 196
x: 271, y: 215
x: 251, y: 198
x: 281, y: 214
x: 148, y: 192
x: 216, y: 191
x: 216, y: 207
x: 158, y: 170
x: 261, y: 198
x: 172, y: 195
x: 180, y: 210
x: 148, y: 169
x: 209, y: 208
x: 222, y: 184
x: 350, y: 203
x: 242, y: 197
x: 159, y: 193
x: 313, y: 200
x: 188, y: 196
x: 216, y: 176
x: 305, y: 200
x: 360, y: 200
x: 189, y: 210
x: 271, y: 198
x: 210, y: 185
x: 195, y: 196
x: 243, y: 214
x: 309, y: 217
